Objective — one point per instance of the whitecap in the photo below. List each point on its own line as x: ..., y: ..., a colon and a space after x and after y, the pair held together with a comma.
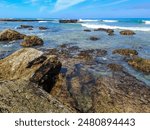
x: 110, y: 21
x: 95, y: 26
x: 87, y: 20
x: 147, y: 22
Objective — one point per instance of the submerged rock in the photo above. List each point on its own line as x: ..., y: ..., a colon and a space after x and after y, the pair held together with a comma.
x: 115, y: 67
x: 68, y: 21
x: 127, y: 32
x: 30, y: 41
x: 140, y: 64
x: 126, y: 52
x: 93, y: 38
x: 43, y: 28
x: 121, y: 92
x: 10, y: 35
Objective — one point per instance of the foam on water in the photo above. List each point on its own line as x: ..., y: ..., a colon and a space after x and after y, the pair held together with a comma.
x: 95, y: 26
x: 110, y: 21
x: 147, y: 22
x: 87, y: 20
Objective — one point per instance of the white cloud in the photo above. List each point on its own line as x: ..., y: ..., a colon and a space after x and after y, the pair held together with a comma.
x: 116, y: 2
x: 64, y: 4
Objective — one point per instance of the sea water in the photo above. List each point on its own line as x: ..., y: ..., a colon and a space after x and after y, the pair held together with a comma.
x: 59, y: 33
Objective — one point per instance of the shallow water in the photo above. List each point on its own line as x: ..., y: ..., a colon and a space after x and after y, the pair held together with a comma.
x: 59, y: 34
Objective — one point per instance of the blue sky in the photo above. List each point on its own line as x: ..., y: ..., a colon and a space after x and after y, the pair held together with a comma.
x: 74, y: 8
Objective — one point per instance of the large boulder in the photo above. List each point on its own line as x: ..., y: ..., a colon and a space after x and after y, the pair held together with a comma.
x: 68, y: 21
x: 30, y: 41
x: 23, y: 76
x: 10, y: 35
x: 127, y: 32
x: 140, y: 64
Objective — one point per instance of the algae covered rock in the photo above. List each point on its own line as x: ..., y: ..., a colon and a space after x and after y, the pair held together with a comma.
x: 125, y: 52
x: 10, y: 35
x: 140, y: 64
x: 30, y: 41
x: 115, y: 67
x: 127, y: 32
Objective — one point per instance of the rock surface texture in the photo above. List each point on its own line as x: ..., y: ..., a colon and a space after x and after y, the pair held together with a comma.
x: 17, y: 91
x: 30, y: 41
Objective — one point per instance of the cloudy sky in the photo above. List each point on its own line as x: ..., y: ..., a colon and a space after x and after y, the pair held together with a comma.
x: 74, y: 8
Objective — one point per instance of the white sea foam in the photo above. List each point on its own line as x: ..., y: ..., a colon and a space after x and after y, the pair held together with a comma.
x: 110, y: 21
x: 95, y: 26
x: 87, y: 20
x: 147, y: 22
x: 43, y: 21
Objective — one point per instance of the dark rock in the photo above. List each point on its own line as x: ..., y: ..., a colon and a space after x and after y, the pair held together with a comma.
x: 30, y: 41
x: 93, y: 38
x: 140, y: 64
x: 115, y: 67
x: 25, y: 27
x: 109, y: 31
x: 36, y: 61
x: 126, y: 52
x: 127, y: 32
x: 87, y: 30
x: 10, y: 35
x: 43, y: 28
x: 68, y: 21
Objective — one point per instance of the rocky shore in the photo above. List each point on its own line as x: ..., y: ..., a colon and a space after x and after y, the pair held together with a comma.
x: 59, y: 80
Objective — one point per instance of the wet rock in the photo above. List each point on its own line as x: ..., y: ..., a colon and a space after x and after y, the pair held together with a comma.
x: 93, y: 38
x: 43, y: 28
x: 25, y: 27
x: 86, y: 54
x: 68, y: 21
x: 121, y: 93
x: 140, y: 64
x: 126, y: 52
x: 30, y: 41
x: 115, y: 67
x: 100, y: 52
x: 127, y: 32
x: 10, y: 35
x: 109, y: 31
x: 87, y: 30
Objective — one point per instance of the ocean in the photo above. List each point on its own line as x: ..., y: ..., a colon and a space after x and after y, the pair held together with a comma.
x: 59, y: 33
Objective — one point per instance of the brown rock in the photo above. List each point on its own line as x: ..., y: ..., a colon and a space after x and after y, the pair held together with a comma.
x: 126, y: 52
x: 30, y: 41
x: 127, y: 32
x: 115, y: 67
x: 140, y: 64
x: 10, y: 35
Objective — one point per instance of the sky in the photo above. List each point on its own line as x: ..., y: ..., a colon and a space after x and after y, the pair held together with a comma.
x: 74, y: 8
